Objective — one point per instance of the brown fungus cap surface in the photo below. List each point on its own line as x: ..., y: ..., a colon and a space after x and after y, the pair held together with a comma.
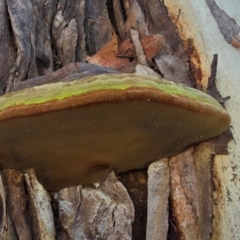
x: 77, y: 132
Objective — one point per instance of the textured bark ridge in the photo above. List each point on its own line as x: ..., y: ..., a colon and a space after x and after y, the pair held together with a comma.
x: 158, y: 195
x: 29, y: 207
x: 45, y: 41
x: 101, y: 212
x: 105, y: 212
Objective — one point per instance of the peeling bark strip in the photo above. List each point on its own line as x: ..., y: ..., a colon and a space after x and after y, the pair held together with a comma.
x: 135, y: 20
x: 3, y: 212
x: 98, y: 31
x: 158, y: 194
x: 68, y: 202
x: 184, y: 195
x: 40, y: 209
x: 118, y: 13
x: 21, y: 25
x: 32, y: 35
x: 29, y: 209
x: 203, y: 155
x: 7, y: 53
x: 227, y: 25
x: 68, y: 31
x: 17, y: 201
x: 31, y: 22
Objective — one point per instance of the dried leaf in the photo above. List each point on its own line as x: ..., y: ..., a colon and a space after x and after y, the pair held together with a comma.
x: 235, y: 42
x: 152, y: 45
x: 129, y: 67
x: 111, y: 46
x: 106, y: 57
x: 126, y: 49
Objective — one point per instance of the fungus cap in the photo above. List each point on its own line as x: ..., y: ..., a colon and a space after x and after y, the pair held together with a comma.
x: 77, y: 132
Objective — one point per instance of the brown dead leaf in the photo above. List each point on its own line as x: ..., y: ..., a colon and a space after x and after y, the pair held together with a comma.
x: 111, y: 46
x: 109, y: 59
x: 126, y: 49
x: 106, y: 57
x: 152, y: 45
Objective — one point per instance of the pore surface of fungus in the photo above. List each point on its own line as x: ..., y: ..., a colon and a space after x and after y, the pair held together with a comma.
x: 77, y: 132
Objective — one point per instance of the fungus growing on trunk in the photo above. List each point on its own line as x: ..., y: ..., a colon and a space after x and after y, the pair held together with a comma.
x: 77, y: 132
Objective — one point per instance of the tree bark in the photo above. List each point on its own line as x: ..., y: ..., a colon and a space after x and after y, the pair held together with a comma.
x: 214, y: 28
x: 194, y: 195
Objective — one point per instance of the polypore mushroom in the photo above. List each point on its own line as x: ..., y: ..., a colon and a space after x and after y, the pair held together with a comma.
x: 77, y: 132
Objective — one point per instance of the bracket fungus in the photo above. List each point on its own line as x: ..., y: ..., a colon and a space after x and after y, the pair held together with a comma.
x: 77, y: 132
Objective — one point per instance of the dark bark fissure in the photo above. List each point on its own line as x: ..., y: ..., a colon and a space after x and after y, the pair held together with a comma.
x: 136, y: 185
x: 212, y: 88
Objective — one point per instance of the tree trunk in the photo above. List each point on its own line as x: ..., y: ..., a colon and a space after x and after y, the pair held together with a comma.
x: 194, y: 195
